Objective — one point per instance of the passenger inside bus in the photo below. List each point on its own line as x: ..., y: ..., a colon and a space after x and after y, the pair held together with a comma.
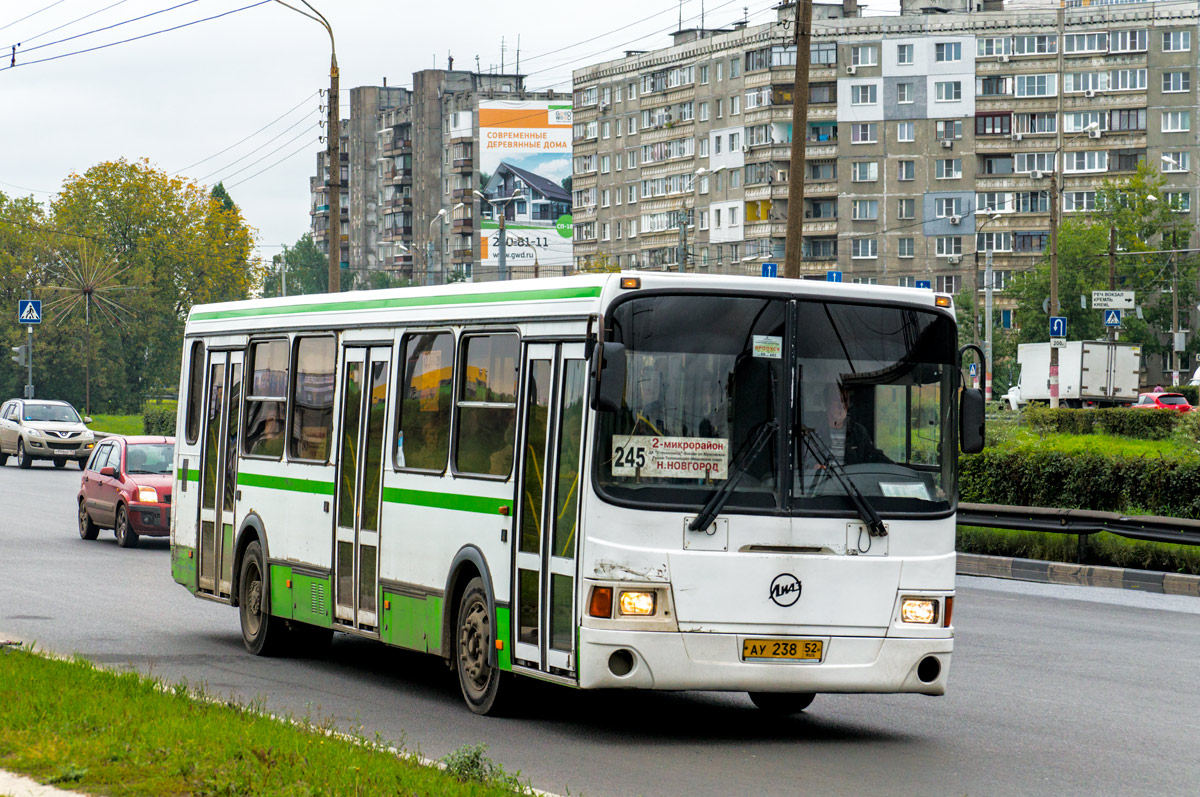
x: 848, y: 440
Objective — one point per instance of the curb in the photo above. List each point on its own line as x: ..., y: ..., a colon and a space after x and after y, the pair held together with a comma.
x: 15, y: 785
x: 970, y: 564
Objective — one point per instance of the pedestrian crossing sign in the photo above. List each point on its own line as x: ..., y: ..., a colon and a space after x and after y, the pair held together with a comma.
x: 1112, y: 318
x: 29, y: 311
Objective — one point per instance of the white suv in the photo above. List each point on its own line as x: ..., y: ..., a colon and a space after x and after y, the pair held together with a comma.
x: 44, y: 430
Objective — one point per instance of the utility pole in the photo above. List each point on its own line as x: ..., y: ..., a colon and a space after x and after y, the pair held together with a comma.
x: 1112, y: 269
x: 683, y: 240
x: 334, y: 153
x: 1054, y: 279
x: 502, y: 267
x: 793, y: 255
x: 1175, y: 335
x: 987, y: 332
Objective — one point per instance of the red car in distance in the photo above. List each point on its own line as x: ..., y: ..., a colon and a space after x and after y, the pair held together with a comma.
x: 1163, y: 401
x: 126, y: 487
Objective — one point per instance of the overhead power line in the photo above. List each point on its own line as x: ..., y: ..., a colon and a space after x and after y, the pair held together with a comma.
x: 108, y: 27
x: 247, y: 138
x: 302, y: 148
x: 72, y: 22
x: 265, y: 143
x: 136, y: 38
x: 34, y: 14
x: 269, y: 154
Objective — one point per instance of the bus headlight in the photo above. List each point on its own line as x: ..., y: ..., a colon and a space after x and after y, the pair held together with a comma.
x: 919, y: 610
x: 636, y: 603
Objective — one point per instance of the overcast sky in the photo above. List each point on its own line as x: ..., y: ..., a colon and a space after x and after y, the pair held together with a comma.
x: 235, y: 98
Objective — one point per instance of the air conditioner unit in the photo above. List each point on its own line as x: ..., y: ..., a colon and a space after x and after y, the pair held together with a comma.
x: 1036, y: 175
x: 956, y: 258
x: 1017, y: 136
x: 1093, y: 134
x: 850, y: 70
x: 955, y: 219
x: 1089, y: 93
x: 745, y: 149
x: 947, y: 144
x: 1003, y: 59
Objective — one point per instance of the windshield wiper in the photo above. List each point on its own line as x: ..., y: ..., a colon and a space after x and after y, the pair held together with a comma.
x: 717, y: 501
x: 821, y: 451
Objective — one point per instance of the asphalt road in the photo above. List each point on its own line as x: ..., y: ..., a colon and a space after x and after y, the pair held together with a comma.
x: 1054, y: 690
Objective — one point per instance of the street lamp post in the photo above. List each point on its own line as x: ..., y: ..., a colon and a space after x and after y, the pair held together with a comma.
x: 1055, y: 176
x: 987, y: 309
x: 440, y: 217
x: 333, y: 152
x: 502, y: 269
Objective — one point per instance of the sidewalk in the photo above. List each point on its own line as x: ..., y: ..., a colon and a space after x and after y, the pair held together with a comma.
x: 19, y: 786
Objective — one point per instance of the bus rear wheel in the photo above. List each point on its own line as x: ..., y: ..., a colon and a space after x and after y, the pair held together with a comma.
x: 473, y: 641
x: 782, y: 704
x: 262, y: 634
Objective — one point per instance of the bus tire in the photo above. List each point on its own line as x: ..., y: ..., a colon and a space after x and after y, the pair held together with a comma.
x: 474, y: 637
x: 262, y: 634
x: 782, y: 704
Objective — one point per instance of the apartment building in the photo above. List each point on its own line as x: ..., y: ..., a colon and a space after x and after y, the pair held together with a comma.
x: 411, y: 164
x: 930, y: 137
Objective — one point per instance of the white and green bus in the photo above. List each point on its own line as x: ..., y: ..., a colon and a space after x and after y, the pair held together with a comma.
x: 631, y: 481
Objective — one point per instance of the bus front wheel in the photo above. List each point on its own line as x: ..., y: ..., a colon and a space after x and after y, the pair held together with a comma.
x: 262, y: 634
x: 474, y: 639
x: 782, y: 704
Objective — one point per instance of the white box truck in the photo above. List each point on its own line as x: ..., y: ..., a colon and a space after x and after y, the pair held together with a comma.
x: 1091, y: 373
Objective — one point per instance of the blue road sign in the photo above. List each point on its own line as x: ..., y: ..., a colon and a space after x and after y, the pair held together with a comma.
x: 1058, y: 326
x: 833, y: 276
x: 1112, y: 318
x: 770, y: 269
x: 926, y: 284
x: 973, y: 369
x: 29, y: 311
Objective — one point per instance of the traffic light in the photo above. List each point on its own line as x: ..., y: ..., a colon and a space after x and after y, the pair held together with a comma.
x: 20, y: 355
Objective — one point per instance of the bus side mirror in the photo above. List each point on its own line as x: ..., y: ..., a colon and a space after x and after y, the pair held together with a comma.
x: 970, y: 420
x: 608, y: 376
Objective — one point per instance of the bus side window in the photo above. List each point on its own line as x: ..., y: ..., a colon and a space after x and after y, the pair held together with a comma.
x: 425, y: 395
x: 266, y: 399
x: 312, y: 398
x: 195, y: 390
x: 487, y: 405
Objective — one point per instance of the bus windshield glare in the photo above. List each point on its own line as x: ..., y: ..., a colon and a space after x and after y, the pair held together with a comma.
x: 708, y: 377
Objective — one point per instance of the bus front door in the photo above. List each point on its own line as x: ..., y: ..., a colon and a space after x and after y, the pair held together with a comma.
x: 552, y: 419
x: 359, y: 485
x: 218, y: 471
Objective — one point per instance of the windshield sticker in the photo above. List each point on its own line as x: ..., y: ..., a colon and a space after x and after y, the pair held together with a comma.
x: 671, y: 457
x: 904, y: 490
x: 769, y: 346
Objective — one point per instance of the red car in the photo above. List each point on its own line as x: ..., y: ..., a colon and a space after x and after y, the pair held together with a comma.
x: 1163, y: 401
x: 126, y: 487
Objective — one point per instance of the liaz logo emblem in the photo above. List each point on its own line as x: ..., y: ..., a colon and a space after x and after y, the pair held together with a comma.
x: 785, y: 589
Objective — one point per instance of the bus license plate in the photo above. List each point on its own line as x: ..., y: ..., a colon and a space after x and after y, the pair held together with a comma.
x: 783, y: 649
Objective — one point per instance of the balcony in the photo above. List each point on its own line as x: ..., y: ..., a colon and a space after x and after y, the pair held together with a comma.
x: 463, y: 165
x: 462, y: 256
x: 463, y: 226
x: 461, y: 193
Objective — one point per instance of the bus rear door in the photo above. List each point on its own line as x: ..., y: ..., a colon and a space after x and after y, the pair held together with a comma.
x: 218, y: 471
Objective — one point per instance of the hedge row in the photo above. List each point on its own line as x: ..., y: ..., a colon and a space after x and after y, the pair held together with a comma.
x: 159, y: 418
x: 1031, y: 477
x: 1142, y: 424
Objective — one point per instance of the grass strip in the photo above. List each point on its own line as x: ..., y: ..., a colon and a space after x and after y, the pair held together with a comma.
x: 1102, y: 548
x: 117, y: 424
x: 74, y: 725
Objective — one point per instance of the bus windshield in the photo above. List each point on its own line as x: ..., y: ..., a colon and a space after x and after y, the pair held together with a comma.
x: 869, y: 385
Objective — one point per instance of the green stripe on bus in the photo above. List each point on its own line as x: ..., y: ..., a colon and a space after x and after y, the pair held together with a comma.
x: 462, y: 503
x: 189, y: 475
x: 284, y: 483
x: 589, y: 292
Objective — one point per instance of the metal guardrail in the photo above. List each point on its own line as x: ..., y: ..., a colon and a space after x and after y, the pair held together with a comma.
x: 1181, y: 531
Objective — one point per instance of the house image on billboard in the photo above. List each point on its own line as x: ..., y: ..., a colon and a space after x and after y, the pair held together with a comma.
x: 541, y: 203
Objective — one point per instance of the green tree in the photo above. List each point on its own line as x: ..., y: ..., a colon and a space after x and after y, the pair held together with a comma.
x: 221, y: 195
x: 307, y: 269
x: 172, y: 244
x: 1137, y: 209
x: 23, y: 256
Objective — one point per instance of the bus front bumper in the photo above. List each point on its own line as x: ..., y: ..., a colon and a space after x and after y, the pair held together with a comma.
x: 706, y: 661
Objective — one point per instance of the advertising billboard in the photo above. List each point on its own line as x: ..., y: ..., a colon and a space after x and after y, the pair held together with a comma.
x: 526, y: 145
